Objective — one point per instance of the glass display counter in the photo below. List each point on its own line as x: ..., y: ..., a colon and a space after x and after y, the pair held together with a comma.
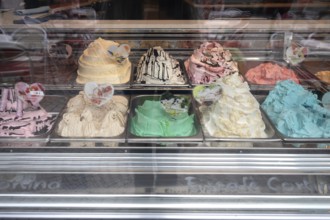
x: 128, y: 177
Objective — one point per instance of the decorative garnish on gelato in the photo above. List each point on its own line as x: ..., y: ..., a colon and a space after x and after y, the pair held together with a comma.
x: 26, y: 93
x: 33, y: 93
x: 98, y: 94
x: 174, y: 105
x: 119, y: 53
x: 296, y: 54
x: 207, y: 93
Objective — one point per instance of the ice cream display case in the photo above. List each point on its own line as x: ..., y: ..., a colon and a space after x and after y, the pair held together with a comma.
x: 222, y: 114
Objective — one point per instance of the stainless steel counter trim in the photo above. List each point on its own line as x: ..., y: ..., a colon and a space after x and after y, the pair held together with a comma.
x: 161, y: 215
x: 147, y: 163
x: 164, y: 206
x: 210, y: 203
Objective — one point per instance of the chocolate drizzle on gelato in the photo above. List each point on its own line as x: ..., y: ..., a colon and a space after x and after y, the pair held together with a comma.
x: 210, y: 62
x: 157, y: 66
x: 34, y: 121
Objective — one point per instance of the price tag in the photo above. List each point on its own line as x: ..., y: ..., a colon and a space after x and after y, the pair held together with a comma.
x: 38, y: 93
x: 98, y: 94
x: 33, y: 93
x: 296, y: 54
x: 119, y: 53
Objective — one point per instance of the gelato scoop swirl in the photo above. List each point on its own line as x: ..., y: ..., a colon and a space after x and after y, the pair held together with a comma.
x: 236, y: 113
x: 210, y: 62
x: 85, y: 119
x: 96, y: 64
x: 156, y: 118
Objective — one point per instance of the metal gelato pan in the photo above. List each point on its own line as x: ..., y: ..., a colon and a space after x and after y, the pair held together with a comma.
x: 139, y: 100
x: 137, y: 85
x: 56, y: 138
x: 292, y: 139
x: 269, y: 130
x: 53, y: 104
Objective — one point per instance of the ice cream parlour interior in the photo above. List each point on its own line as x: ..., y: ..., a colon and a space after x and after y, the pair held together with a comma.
x: 194, y: 84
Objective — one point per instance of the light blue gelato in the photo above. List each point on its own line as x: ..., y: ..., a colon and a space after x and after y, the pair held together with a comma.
x: 297, y: 112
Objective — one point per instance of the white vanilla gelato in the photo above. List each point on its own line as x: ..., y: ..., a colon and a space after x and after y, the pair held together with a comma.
x: 236, y: 113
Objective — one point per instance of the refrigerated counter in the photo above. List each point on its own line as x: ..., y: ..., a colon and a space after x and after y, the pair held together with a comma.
x: 50, y: 177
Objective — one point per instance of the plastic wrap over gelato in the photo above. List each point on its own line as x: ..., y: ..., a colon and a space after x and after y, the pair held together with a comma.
x: 104, y: 61
x: 83, y: 118
x: 236, y: 114
x: 32, y: 121
x: 158, y: 67
x: 269, y: 74
x: 210, y: 62
x: 297, y: 112
x: 155, y: 118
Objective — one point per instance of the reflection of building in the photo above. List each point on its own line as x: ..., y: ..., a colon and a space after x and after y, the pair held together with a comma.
x: 182, y: 9
x: 146, y: 9
x: 307, y: 9
x: 202, y: 9
x: 281, y: 9
x: 36, y: 3
x: 12, y: 4
x: 125, y: 9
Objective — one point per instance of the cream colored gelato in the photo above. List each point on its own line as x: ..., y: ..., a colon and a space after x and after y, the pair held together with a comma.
x: 96, y: 64
x: 84, y: 119
x: 236, y: 113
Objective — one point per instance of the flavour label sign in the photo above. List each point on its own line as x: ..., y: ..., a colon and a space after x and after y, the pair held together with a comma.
x: 224, y: 184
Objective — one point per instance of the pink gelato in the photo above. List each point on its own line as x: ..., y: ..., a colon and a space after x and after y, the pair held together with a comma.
x: 269, y: 74
x: 209, y: 62
x: 34, y: 121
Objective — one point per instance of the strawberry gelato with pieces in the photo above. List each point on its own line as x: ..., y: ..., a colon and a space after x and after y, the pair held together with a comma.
x: 210, y: 62
x: 20, y: 112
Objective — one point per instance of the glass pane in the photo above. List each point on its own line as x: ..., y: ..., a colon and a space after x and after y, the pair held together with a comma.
x: 164, y: 184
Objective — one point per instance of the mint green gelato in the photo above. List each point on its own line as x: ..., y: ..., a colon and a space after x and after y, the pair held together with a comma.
x: 297, y: 112
x: 151, y: 120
